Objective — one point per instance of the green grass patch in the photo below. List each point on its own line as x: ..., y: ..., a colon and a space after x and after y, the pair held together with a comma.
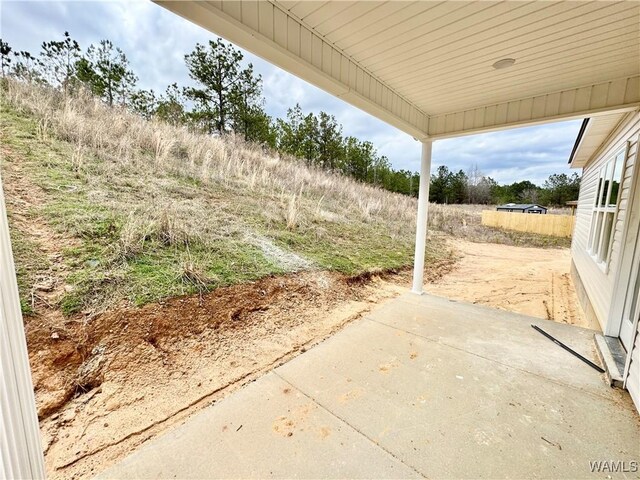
x: 76, y: 216
x: 159, y: 271
x: 31, y: 264
x: 349, y: 248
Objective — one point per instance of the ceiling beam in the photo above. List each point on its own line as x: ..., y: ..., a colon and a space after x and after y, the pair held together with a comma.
x: 617, y: 95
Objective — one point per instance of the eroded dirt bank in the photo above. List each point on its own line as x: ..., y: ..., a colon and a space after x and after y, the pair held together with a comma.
x: 532, y: 281
x: 106, y: 385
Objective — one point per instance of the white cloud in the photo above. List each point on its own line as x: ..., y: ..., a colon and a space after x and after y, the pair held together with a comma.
x: 531, y: 153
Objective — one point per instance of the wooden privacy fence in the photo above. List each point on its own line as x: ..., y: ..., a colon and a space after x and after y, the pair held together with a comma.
x: 555, y: 225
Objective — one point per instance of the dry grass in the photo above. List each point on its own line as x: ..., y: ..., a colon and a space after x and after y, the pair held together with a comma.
x: 128, y: 141
x: 160, y: 210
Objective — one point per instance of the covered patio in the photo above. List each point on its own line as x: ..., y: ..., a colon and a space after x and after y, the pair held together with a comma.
x: 519, y: 404
x: 421, y: 387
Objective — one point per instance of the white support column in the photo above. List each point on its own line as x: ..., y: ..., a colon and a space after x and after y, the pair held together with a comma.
x: 20, y: 449
x: 423, y: 211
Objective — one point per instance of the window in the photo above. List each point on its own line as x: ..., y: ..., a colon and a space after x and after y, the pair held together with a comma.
x: 605, y: 209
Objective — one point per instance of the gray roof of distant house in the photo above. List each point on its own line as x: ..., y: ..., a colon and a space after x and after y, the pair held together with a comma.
x: 522, y: 206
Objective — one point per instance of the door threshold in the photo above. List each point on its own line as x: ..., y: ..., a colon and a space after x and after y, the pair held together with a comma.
x: 613, y: 356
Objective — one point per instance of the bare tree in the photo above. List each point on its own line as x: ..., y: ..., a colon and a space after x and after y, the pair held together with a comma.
x: 478, y: 188
x: 530, y: 195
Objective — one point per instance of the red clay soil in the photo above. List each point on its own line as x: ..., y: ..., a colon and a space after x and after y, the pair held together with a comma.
x: 106, y: 385
x: 69, y: 357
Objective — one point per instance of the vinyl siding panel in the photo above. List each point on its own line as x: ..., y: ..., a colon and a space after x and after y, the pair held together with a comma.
x: 633, y: 380
x: 599, y: 283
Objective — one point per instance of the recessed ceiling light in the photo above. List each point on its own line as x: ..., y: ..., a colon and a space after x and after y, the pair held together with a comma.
x: 504, y: 63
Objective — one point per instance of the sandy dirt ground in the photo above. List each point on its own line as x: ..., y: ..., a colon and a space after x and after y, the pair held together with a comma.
x: 532, y: 281
x: 105, y: 387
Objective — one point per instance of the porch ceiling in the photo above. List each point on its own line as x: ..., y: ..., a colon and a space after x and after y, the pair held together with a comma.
x: 426, y: 67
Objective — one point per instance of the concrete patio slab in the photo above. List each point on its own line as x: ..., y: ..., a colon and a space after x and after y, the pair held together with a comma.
x: 266, y: 430
x: 500, y: 336
x: 453, y: 414
x: 422, y: 386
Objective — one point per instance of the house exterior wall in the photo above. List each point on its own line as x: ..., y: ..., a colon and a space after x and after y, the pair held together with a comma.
x: 599, y: 288
x: 583, y: 298
x: 598, y: 283
x: 20, y: 447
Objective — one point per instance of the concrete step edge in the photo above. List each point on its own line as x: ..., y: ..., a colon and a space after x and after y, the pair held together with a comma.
x: 604, y: 347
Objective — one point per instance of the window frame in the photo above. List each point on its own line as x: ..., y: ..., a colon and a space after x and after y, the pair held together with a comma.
x: 602, y: 210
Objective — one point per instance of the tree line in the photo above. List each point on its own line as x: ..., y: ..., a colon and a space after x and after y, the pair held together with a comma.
x: 226, y: 97
x: 473, y: 186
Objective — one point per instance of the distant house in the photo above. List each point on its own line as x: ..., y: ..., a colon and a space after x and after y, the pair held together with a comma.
x: 522, y: 208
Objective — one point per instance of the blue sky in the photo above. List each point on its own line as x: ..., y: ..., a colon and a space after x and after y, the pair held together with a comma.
x: 156, y: 41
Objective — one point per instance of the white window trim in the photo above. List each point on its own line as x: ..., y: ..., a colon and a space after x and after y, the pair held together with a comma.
x: 596, y: 208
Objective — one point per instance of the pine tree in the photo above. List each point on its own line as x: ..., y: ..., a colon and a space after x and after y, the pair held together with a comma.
x: 144, y: 103
x: 259, y: 127
x: 561, y: 188
x: 309, y: 139
x: 248, y: 117
x: 243, y: 98
x: 359, y: 157
x: 379, y: 170
x: 26, y: 67
x: 440, y: 180
x: 5, y: 57
x: 290, y: 132
x: 330, y: 147
x: 218, y: 73
x: 105, y: 70
x: 170, y: 106
x: 58, y: 60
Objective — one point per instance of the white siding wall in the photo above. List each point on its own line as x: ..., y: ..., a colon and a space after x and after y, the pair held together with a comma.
x: 633, y: 380
x: 20, y: 449
x: 598, y: 284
